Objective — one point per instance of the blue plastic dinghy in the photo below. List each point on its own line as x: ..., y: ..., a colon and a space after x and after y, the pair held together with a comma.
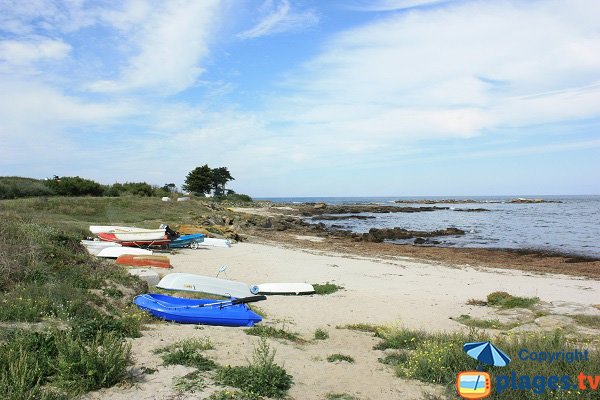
x: 232, y: 312
x: 187, y: 241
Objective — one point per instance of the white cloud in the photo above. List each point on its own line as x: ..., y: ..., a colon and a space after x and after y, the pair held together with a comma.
x: 281, y: 18
x: 22, y: 53
x: 170, y: 42
x: 455, y: 71
x: 393, y: 5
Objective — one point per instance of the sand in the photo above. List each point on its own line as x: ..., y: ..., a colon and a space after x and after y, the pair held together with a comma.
x: 416, y: 294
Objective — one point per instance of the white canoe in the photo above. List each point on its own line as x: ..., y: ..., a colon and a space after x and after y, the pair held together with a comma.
x: 283, y: 288
x: 205, y: 284
x: 214, y: 242
x: 96, y: 246
x: 114, y: 252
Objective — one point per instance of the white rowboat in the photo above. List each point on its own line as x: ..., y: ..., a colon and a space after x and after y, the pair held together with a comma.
x: 205, y: 284
x: 114, y: 252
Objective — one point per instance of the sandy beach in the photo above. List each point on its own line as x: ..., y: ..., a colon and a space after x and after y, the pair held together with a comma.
x: 400, y: 290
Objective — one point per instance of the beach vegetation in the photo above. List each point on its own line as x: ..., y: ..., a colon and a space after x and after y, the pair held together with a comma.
x: 275, y: 333
x: 326, y: 288
x: 438, y: 357
x: 228, y: 394
x: 476, y: 302
x: 321, y: 334
x: 188, y: 352
x: 192, y: 382
x: 506, y: 300
x: 340, y: 396
x: 484, y: 323
x: 261, y: 377
x: 361, y: 327
x: 340, y: 357
x: 590, y: 321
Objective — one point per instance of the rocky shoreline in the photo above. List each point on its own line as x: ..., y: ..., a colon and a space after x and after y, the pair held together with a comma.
x: 285, y: 224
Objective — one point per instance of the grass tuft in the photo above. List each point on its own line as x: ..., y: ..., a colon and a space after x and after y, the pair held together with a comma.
x: 189, y: 353
x: 321, y: 334
x: 484, y: 323
x: 361, y: 327
x: 326, y: 288
x: 591, y: 321
x: 506, y: 300
x: 340, y: 396
x: 340, y: 357
x: 276, y: 333
x: 192, y: 382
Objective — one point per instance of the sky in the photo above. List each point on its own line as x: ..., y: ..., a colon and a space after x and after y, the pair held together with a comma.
x: 307, y: 97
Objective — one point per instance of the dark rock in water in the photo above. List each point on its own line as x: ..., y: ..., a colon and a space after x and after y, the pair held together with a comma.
x: 443, y: 201
x: 379, y: 235
x: 360, y: 208
x: 472, y: 209
x: 320, y: 206
x: 521, y: 200
x: 339, y: 217
x: 420, y: 240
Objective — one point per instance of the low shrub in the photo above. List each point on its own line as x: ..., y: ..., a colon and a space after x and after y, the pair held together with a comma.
x: 340, y: 357
x: 326, y: 288
x: 506, y: 300
x: 321, y: 334
x: 272, y: 332
x: 262, y: 377
x: 189, y: 353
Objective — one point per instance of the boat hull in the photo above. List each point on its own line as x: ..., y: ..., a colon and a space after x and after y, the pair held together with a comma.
x: 111, y: 237
x: 144, y: 261
x: 187, y: 241
x: 187, y: 311
x: 204, y: 284
x: 115, y: 252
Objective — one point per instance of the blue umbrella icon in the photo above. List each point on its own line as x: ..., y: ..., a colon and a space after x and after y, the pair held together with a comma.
x: 487, y: 353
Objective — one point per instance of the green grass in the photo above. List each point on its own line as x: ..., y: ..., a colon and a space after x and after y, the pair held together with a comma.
x: 361, y: 327
x: 506, y: 300
x: 276, y: 333
x: 321, y: 334
x: 340, y: 357
x: 340, y: 396
x: 192, y: 382
x: 438, y: 357
x: 230, y: 395
x: 590, y: 321
x: 188, y: 352
x: 484, y: 323
x: 326, y: 288
x: 262, y: 377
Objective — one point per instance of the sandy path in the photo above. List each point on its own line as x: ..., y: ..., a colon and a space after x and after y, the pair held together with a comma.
x: 416, y: 294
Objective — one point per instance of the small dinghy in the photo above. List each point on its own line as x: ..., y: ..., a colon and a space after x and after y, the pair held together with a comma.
x: 214, y: 242
x: 204, y: 284
x: 111, y: 237
x: 96, y: 246
x: 144, y: 261
x: 233, y: 312
x: 191, y: 241
x: 283, y: 288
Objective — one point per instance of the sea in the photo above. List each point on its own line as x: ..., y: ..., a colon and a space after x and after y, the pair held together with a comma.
x: 568, y: 225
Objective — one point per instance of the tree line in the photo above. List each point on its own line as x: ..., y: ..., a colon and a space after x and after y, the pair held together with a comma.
x: 200, y: 181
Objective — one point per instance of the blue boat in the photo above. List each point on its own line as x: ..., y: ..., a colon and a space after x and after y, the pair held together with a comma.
x: 187, y: 241
x: 232, y: 312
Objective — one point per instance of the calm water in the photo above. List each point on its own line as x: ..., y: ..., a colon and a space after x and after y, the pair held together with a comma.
x: 572, y: 226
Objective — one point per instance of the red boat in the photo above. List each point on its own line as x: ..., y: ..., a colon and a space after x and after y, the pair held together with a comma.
x: 110, y: 237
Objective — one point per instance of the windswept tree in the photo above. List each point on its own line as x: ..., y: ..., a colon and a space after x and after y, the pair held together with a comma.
x: 199, y: 181
x: 220, y: 177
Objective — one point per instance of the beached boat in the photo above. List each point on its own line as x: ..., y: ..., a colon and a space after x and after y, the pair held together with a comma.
x: 136, y: 242
x: 191, y: 241
x: 205, y: 284
x: 96, y: 246
x: 200, y: 311
x: 283, y: 288
x: 96, y: 229
x: 114, y: 252
x: 144, y: 261
x: 214, y: 242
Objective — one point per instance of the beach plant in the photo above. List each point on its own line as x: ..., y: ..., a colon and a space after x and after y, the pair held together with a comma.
x: 484, y: 323
x: 591, y: 321
x: 361, y: 327
x: 340, y: 357
x: 262, y: 377
x: 273, y: 332
x: 188, y: 352
x: 340, y: 396
x: 230, y: 395
x: 192, y: 382
x: 321, y: 334
x: 506, y: 300
x: 326, y: 288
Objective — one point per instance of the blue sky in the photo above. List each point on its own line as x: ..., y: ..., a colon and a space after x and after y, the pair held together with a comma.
x: 306, y: 98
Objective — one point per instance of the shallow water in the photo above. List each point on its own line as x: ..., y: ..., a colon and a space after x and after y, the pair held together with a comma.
x: 572, y: 226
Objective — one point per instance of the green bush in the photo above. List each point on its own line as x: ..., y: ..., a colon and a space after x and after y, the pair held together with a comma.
x: 83, y: 366
x: 261, y: 378
x: 321, y: 334
x: 13, y: 187
x: 74, y: 186
x: 340, y: 357
x: 277, y: 333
